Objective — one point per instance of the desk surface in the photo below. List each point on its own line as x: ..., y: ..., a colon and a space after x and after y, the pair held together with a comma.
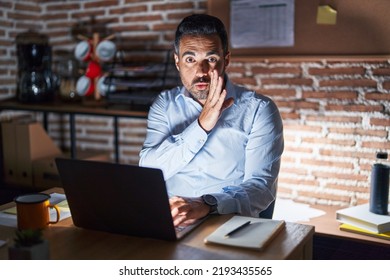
x: 70, y: 242
x: 327, y: 225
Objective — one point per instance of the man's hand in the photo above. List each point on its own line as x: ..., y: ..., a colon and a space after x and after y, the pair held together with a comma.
x: 215, y: 103
x: 186, y: 210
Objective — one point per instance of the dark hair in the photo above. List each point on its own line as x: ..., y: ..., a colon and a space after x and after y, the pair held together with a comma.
x: 201, y: 24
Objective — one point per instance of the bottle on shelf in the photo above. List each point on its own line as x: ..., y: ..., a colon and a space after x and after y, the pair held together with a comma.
x: 379, y: 188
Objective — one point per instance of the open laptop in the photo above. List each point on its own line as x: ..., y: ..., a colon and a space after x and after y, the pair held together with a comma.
x: 118, y: 198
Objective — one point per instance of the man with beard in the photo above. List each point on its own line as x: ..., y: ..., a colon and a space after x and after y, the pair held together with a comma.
x: 218, y: 144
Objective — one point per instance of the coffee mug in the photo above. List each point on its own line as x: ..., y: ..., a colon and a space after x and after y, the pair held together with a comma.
x: 83, y: 50
x: 85, y: 86
x: 105, y: 50
x: 104, y: 87
x: 32, y: 211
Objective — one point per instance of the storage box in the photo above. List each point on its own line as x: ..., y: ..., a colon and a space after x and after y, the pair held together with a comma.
x: 45, y: 171
x: 24, y: 141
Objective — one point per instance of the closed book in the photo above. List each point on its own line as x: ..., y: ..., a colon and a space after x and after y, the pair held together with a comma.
x: 361, y: 217
x: 349, y: 228
x: 256, y: 234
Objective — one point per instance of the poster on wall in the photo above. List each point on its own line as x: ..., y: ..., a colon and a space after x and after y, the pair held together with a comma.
x: 262, y: 23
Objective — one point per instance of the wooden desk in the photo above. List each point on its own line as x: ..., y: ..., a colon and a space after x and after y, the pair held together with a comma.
x: 329, y: 242
x: 70, y: 242
x: 327, y: 225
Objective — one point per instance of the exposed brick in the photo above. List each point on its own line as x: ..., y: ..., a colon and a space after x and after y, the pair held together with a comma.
x: 28, y: 7
x: 358, y: 131
x: 139, y: 27
x: 103, y: 3
x: 23, y: 16
x: 138, y: 18
x: 376, y: 145
x: 330, y: 95
x: 287, y: 81
x: 333, y: 118
x: 329, y: 141
x: 298, y: 104
x: 129, y: 10
x: 308, y: 128
x: 386, y: 85
x: 87, y: 15
x: 343, y: 176
x: 337, y: 71
x: 381, y: 72
x: 54, y: 7
x: 327, y: 163
x: 235, y: 70
x: 322, y: 196
x: 244, y: 81
x: 164, y: 27
x: 277, y: 70
x: 346, y: 154
x: 278, y: 92
x: 354, y: 108
x: 380, y: 122
x: 348, y: 83
x: 348, y: 188
x: 378, y: 96
x: 173, y: 6
x: 290, y: 116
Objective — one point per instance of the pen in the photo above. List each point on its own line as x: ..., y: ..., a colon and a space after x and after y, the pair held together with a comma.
x: 237, y: 229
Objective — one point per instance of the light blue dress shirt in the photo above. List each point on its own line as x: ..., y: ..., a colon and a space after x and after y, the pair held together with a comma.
x: 237, y: 162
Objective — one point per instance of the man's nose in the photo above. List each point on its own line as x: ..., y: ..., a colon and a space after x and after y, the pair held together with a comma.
x: 203, y: 68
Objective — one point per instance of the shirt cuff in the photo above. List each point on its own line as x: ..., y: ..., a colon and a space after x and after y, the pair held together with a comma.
x: 226, y: 204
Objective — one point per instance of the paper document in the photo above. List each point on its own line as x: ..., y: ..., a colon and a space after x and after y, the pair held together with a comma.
x: 262, y: 23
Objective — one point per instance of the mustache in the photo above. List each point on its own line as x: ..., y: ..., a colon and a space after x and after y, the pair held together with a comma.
x: 201, y: 80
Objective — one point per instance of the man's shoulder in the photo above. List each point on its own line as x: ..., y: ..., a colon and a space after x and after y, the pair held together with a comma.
x: 244, y: 94
x: 171, y: 93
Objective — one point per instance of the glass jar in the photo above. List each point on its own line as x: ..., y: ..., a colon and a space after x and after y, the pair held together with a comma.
x: 68, y: 74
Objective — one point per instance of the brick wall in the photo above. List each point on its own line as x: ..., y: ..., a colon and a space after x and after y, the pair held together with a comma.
x: 335, y: 109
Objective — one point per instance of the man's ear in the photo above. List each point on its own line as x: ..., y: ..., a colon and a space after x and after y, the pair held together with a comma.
x: 176, y: 57
x: 227, y: 59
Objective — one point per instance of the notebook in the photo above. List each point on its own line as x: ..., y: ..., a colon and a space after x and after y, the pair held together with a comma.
x: 118, y: 198
x: 246, y: 232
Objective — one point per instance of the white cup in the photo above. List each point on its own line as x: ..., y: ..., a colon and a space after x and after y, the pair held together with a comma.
x: 105, y: 50
x: 83, y: 50
x: 85, y: 86
x: 103, y: 87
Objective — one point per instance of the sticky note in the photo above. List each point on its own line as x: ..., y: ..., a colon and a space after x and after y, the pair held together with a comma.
x: 326, y: 15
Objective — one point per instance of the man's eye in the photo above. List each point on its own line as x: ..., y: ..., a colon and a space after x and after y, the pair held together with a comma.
x: 190, y: 59
x: 213, y: 59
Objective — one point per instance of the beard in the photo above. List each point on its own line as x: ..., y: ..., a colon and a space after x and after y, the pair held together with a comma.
x: 197, y: 93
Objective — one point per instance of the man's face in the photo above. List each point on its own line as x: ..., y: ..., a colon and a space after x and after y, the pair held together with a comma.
x: 197, y: 57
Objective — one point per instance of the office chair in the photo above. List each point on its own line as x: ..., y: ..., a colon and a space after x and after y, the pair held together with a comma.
x: 268, y: 212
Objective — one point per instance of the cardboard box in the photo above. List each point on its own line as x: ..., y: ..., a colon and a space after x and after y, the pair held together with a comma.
x: 45, y: 171
x: 32, y: 143
x: 9, y: 152
x: 23, y: 141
